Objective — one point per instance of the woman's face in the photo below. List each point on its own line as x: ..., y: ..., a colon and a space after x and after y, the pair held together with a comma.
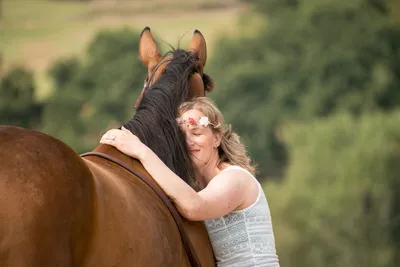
x: 202, y: 142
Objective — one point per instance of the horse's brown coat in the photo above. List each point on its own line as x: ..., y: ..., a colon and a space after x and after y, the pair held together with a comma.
x: 57, y: 209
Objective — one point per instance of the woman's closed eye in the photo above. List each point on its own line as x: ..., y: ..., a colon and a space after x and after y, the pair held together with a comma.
x: 197, y: 132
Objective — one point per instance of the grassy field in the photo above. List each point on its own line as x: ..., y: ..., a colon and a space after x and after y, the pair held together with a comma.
x: 36, y: 32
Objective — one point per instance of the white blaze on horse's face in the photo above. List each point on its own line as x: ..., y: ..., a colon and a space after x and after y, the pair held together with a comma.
x: 155, y: 63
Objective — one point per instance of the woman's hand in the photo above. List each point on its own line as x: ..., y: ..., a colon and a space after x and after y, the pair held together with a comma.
x: 125, y: 141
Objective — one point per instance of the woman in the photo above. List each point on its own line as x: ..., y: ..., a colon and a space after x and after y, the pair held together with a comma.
x: 231, y: 201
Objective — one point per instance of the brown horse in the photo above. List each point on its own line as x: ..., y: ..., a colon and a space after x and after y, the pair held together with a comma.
x: 58, y: 209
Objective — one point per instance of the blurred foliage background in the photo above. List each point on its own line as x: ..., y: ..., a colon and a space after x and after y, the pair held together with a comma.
x: 312, y: 86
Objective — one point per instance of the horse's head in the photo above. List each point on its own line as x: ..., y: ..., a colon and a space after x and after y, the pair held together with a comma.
x: 156, y: 63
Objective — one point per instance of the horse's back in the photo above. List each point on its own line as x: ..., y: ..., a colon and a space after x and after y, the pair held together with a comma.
x: 57, y: 209
x: 133, y: 226
x: 45, y: 199
x: 136, y: 226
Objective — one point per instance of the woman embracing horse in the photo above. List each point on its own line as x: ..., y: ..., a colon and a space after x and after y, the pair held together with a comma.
x: 58, y: 209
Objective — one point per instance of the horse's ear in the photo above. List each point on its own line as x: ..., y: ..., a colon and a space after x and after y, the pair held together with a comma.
x: 198, y: 45
x: 148, y: 51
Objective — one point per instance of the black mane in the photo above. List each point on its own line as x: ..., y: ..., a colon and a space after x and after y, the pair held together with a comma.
x: 155, y: 120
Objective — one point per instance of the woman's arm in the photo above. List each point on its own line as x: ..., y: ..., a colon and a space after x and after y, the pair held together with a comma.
x: 223, y: 194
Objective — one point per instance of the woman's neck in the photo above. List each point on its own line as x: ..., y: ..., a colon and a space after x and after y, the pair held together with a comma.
x: 211, y: 169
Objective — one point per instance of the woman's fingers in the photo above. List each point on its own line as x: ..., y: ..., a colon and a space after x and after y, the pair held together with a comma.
x: 123, y: 140
x: 110, y: 136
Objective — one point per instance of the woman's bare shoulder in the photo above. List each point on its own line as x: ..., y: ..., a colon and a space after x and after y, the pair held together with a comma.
x: 233, y: 174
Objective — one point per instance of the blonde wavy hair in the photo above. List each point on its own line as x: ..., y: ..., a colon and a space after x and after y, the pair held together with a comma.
x: 231, y: 150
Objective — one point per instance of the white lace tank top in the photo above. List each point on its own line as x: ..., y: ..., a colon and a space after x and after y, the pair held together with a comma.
x: 244, y: 238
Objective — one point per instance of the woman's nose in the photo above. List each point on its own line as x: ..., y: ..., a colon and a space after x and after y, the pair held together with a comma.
x: 189, y: 140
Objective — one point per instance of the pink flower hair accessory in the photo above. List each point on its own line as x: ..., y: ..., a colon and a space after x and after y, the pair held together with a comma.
x: 203, y: 121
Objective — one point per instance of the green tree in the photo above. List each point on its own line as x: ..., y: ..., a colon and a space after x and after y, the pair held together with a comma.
x: 93, y: 95
x: 17, y: 99
x: 339, y: 204
x: 308, y: 59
